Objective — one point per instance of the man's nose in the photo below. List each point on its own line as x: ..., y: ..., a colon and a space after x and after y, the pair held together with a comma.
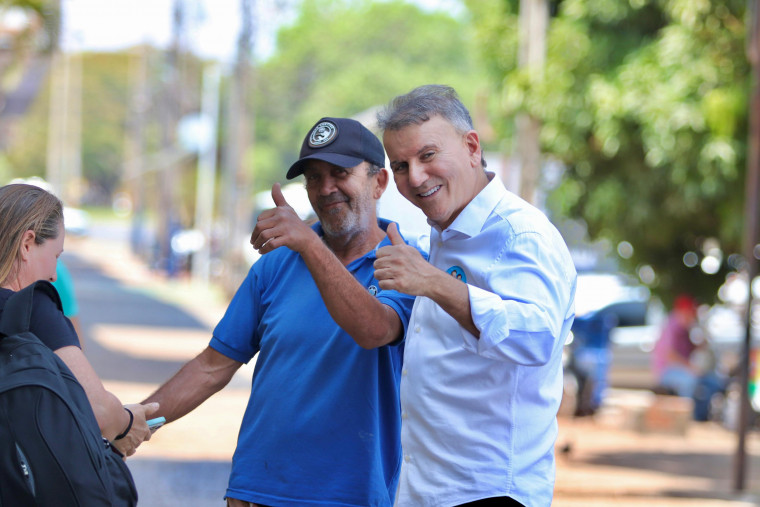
x: 327, y: 185
x: 417, y: 174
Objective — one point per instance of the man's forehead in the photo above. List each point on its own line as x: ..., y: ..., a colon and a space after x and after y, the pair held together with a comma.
x: 432, y: 132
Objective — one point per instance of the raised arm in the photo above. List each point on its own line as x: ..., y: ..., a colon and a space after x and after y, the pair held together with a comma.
x: 368, y: 321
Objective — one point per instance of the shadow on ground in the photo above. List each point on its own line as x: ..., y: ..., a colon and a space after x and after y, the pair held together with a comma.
x: 687, y: 464
x: 169, y: 483
x: 104, y: 300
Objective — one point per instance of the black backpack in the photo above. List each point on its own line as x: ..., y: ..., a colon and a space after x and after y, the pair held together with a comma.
x: 51, y: 449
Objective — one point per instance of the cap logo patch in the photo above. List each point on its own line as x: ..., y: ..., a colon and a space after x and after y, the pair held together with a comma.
x: 323, y: 134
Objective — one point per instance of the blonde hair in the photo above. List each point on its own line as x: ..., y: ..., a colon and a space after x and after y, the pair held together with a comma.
x: 25, y: 208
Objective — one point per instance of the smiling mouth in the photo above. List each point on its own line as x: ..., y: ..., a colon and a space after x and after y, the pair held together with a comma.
x: 430, y: 192
x: 332, y: 201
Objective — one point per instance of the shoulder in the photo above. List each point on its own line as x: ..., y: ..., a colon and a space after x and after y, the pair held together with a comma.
x: 47, y: 320
x: 46, y: 301
x: 42, y: 301
x: 275, y: 265
x: 515, y: 220
x: 522, y: 229
x: 520, y: 216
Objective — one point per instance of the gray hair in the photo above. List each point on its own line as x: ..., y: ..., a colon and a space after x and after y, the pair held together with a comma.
x: 422, y: 104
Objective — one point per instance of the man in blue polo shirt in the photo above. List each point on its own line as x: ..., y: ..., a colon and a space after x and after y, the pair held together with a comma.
x: 323, y: 421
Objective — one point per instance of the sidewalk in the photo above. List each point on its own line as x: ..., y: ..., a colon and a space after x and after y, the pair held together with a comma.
x: 210, y: 432
x: 599, y: 461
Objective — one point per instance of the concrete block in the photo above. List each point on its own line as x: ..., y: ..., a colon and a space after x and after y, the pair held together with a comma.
x: 666, y: 414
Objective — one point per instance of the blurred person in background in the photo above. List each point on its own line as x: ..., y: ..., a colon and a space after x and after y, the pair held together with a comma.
x: 682, y: 365
x: 32, y: 232
x: 64, y: 284
x: 671, y: 357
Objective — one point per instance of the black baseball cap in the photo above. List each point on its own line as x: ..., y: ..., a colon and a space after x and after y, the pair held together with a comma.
x: 340, y: 141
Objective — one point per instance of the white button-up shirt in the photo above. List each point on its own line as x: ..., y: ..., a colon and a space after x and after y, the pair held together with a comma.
x: 480, y: 414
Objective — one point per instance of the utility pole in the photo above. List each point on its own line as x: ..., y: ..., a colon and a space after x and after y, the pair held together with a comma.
x: 533, y: 21
x: 64, y: 146
x: 167, y: 177
x: 56, y: 121
x: 751, y: 235
x: 57, y: 107
x: 71, y: 184
x: 237, y: 181
x: 134, y: 145
x: 204, y: 187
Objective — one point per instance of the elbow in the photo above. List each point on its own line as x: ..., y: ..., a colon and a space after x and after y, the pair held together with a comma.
x: 369, y: 341
x: 376, y: 332
x: 366, y: 345
x: 215, y: 383
x: 527, y: 349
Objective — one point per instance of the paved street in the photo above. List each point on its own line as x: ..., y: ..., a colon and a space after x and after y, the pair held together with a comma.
x: 137, y: 336
x: 139, y: 329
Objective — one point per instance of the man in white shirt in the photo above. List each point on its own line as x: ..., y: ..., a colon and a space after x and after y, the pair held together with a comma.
x: 482, y: 376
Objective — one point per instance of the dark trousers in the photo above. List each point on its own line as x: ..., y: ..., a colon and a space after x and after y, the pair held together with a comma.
x: 501, y: 501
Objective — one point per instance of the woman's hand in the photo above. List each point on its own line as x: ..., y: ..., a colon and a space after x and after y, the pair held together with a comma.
x: 139, y: 430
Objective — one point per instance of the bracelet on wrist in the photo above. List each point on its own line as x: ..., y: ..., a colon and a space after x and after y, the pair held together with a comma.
x: 129, y: 426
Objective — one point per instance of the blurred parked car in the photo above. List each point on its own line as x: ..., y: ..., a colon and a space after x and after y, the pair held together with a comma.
x: 611, y: 321
x: 76, y: 221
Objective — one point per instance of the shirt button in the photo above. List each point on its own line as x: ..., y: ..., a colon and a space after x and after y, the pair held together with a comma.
x: 417, y: 329
x: 403, y: 372
x: 407, y: 458
x: 404, y: 415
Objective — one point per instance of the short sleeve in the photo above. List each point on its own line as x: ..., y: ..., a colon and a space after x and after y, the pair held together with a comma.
x: 50, y: 325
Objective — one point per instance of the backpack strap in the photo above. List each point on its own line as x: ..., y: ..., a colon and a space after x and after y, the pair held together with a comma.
x: 17, y: 312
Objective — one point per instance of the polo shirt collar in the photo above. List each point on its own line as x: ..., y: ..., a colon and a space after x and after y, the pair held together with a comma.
x: 473, y: 217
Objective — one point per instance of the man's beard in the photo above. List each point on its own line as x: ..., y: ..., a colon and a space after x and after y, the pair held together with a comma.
x: 341, y: 222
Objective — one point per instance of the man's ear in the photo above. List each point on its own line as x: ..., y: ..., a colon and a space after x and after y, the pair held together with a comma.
x: 382, y: 183
x: 27, y: 241
x: 472, y: 142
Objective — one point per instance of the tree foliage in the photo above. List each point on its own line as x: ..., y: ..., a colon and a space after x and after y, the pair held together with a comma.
x: 344, y: 58
x: 644, y: 101
x: 105, y: 90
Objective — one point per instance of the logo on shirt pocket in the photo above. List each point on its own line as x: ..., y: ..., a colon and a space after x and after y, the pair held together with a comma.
x: 458, y: 273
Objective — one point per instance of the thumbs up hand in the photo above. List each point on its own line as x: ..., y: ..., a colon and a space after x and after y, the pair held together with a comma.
x: 401, y: 267
x: 394, y: 235
x: 277, y: 197
x: 281, y: 226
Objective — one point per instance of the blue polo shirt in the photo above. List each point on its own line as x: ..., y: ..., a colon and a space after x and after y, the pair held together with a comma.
x: 323, y: 421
